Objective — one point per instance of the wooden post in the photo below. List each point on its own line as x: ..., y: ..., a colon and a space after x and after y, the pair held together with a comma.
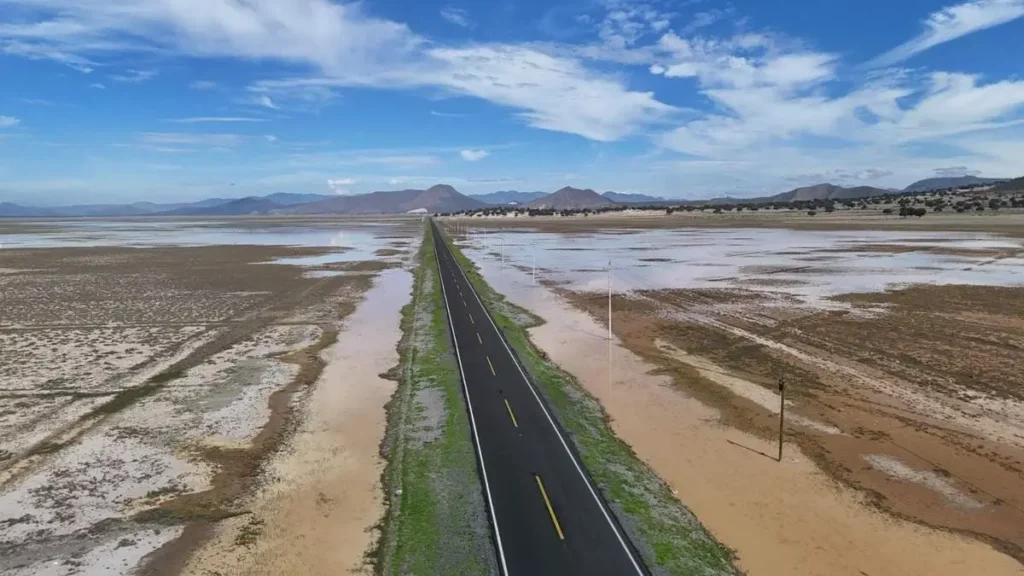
x: 782, y: 412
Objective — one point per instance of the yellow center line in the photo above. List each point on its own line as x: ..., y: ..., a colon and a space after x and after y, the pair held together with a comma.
x: 551, y: 511
x: 478, y: 338
x: 491, y: 365
x: 510, y: 414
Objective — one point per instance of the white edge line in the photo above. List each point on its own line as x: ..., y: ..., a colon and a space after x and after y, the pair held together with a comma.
x: 472, y: 421
x: 600, y: 504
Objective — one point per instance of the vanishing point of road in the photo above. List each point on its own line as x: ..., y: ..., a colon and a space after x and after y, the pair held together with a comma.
x: 546, y: 515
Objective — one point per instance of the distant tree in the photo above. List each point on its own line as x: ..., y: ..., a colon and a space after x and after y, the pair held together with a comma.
x: 830, y: 208
x: 669, y: 211
x: 887, y: 211
x: 812, y: 212
x: 718, y: 210
x: 994, y: 204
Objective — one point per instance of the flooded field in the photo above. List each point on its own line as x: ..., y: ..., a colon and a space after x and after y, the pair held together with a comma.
x: 902, y: 356
x: 150, y: 371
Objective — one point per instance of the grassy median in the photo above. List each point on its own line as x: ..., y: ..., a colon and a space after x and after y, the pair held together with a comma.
x: 436, y: 521
x: 668, y: 535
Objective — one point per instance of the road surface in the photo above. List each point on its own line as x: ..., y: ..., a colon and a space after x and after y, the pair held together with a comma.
x: 546, y: 514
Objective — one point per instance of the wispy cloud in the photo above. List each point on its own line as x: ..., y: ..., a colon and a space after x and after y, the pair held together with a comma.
x: 202, y: 85
x: 210, y: 119
x: 98, y: 86
x: 340, y: 186
x: 266, y: 102
x: 38, y: 102
x: 192, y: 139
x: 457, y: 16
x: 346, y: 47
x: 448, y: 114
x: 952, y: 23
x: 9, y: 121
x: 134, y: 76
x: 474, y: 155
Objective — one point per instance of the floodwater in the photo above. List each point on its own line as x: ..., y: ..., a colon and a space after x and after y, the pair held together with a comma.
x: 350, y: 241
x: 780, y: 518
x: 808, y: 265
x: 323, y: 497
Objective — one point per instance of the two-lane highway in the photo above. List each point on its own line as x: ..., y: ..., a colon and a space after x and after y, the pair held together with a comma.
x: 546, y: 515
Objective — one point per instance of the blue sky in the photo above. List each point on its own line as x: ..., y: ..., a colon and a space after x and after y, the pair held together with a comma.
x: 170, y: 100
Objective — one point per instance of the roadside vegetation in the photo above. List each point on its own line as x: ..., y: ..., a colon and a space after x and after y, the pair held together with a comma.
x: 668, y: 535
x: 436, y: 521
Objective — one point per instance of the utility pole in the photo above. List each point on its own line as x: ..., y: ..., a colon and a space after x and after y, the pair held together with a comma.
x: 609, y: 326
x: 609, y: 303
x: 782, y: 412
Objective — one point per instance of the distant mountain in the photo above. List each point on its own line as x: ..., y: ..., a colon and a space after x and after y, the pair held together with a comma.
x: 209, y: 206
x: 624, y: 198
x: 240, y: 207
x: 508, y: 197
x: 938, y: 183
x: 1015, y: 185
x: 569, y: 198
x: 10, y: 210
x: 290, y: 199
x: 827, y: 192
x: 440, y: 198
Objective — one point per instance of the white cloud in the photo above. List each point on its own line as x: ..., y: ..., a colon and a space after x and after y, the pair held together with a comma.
x: 457, y: 16
x: 134, y: 76
x: 270, y: 138
x: 97, y: 86
x: 202, y: 85
x: 8, y: 121
x: 397, y: 181
x: 340, y: 186
x: 474, y: 155
x: 207, y: 119
x: 346, y: 47
x: 265, y: 101
x: 952, y: 23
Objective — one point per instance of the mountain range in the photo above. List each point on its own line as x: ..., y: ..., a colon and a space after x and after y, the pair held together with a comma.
x: 570, y: 198
x: 954, y: 182
x: 507, y: 197
x: 444, y: 198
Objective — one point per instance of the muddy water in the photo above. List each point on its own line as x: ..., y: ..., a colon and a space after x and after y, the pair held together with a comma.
x: 316, y: 514
x: 781, y: 518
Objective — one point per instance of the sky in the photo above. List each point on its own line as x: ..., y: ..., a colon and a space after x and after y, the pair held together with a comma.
x: 105, y: 101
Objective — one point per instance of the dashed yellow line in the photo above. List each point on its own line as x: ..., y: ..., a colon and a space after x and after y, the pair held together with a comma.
x: 551, y: 511
x: 491, y: 365
x: 510, y: 414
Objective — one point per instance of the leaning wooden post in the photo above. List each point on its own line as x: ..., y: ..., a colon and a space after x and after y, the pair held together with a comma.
x: 782, y: 411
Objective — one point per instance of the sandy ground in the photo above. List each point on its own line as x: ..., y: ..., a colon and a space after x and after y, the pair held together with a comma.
x: 316, y: 512
x: 788, y: 518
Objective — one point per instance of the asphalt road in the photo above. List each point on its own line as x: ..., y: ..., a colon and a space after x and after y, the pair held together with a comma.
x: 546, y: 515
